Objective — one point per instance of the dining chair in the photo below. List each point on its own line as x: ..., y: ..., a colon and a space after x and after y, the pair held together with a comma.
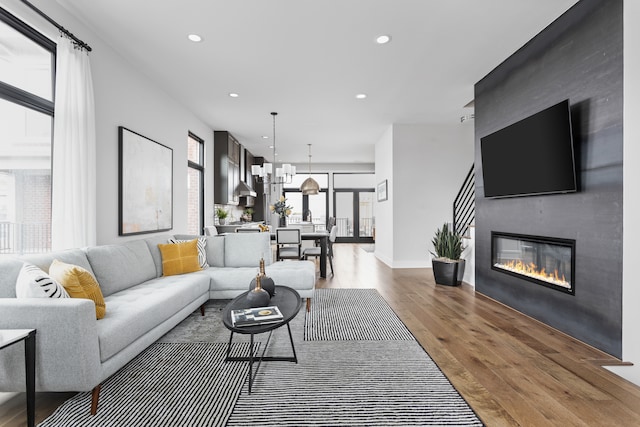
x: 316, y: 250
x: 210, y: 230
x: 288, y: 243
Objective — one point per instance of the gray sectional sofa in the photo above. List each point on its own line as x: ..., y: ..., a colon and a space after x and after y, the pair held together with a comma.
x: 76, y: 352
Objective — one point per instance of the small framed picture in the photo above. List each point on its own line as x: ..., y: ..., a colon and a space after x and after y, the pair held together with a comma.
x: 382, y: 191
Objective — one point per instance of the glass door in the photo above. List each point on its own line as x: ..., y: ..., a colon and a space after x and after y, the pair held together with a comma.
x: 354, y: 214
x: 365, y: 214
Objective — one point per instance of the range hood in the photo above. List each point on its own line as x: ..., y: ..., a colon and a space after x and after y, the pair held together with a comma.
x: 244, y: 190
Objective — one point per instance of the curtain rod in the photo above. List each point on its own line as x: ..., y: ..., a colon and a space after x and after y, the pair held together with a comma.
x: 58, y: 26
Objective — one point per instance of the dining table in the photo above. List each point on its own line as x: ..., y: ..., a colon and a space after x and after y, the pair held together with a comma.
x: 322, y: 239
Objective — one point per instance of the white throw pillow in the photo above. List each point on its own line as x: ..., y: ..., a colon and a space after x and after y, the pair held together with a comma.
x: 32, y: 282
x: 202, y: 252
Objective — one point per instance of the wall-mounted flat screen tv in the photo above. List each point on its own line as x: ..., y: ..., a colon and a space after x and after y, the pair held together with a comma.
x: 532, y: 156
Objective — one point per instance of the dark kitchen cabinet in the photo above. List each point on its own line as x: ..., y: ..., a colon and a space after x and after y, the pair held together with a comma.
x: 226, y: 154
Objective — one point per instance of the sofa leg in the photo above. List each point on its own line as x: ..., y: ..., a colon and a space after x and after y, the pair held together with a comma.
x: 95, y: 395
x: 202, y: 309
x: 308, y: 305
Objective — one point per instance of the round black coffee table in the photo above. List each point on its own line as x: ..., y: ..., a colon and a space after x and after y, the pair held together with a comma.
x: 288, y: 301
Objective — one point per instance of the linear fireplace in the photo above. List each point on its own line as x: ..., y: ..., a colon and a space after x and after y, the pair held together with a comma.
x: 544, y: 260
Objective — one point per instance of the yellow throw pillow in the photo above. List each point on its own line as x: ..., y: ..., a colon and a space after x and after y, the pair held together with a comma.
x: 179, y: 258
x: 79, y: 283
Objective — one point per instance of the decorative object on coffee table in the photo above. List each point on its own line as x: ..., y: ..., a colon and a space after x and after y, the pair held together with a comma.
x: 257, y: 297
x: 257, y: 316
x: 266, y: 282
x: 448, y: 267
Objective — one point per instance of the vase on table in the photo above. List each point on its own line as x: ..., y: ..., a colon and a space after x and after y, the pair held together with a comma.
x: 266, y: 282
x: 258, y: 297
x: 283, y: 221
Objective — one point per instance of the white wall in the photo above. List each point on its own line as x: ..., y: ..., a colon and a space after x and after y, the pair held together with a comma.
x: 428, y: 164
x: 125, y: 97
x: 631, y: 208
x: 384, y: 210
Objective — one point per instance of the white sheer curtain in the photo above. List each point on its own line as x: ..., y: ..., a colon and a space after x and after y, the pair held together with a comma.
x: 73, y: 216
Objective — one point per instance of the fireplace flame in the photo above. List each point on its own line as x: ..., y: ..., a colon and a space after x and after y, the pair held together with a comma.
x: 532, y: 270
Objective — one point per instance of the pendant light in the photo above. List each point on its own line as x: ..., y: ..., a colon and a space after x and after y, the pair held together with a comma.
x: 309, y: 186
x: 283, y: 174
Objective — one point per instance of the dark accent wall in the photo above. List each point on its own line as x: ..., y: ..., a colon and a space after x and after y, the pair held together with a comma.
x: 579, y: 57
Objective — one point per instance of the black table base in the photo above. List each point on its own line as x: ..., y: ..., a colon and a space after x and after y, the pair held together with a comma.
x: 262, y: 358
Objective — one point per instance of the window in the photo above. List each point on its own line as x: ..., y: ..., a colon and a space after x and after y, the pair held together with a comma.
x: 305, y: 208
x: 195, y: 184
x: 27, y: 67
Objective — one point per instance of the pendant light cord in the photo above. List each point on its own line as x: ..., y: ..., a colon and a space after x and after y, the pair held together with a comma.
x: 274, y: 114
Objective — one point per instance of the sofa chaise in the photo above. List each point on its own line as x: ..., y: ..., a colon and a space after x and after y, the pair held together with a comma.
x: 76, y: 352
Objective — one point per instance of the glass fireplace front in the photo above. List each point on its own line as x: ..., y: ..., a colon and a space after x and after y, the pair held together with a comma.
x: 543, y: 260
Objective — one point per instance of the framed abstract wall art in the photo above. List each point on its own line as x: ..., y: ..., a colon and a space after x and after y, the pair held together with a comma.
x: 145, y: 184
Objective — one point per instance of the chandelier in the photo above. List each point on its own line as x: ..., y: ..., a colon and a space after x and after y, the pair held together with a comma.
x: 310, y: 186
x: 283, y: 175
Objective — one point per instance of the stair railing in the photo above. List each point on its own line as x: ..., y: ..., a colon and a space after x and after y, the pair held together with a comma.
x: 464, y: 205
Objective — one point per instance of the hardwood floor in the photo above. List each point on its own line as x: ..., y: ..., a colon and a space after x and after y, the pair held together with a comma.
x: 511, y: 369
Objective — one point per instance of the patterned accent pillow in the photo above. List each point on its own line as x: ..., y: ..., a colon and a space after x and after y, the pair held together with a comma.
x: 32, y: 282
x: 202, y: 252
x: 79, y: 283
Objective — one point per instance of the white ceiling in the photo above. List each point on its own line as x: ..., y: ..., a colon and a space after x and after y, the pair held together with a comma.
x: 308, y: 59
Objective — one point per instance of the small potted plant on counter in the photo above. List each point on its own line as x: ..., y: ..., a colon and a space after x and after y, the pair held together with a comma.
x: 448, y: 267
x: 222, y: 215
x: 247, y: 215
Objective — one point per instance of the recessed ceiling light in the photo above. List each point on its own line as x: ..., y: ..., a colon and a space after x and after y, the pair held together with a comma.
x: 383, y: 39
x: 361, y: 96
x: 194, y: 38
x: 234, y: 95
x: 265, y: 137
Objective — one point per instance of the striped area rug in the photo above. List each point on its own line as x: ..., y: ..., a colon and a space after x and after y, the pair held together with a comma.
x: 352, y: 370
x: 353, y: 383
x: 352, y: 314
x: 358, y: 366
x: 169, y: 384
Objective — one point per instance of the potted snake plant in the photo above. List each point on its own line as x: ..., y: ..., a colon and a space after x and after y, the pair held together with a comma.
x: 448, y: 267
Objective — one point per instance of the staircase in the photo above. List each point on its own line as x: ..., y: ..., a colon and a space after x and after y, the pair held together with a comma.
x: 464, y: 205
x: 464, y: 214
